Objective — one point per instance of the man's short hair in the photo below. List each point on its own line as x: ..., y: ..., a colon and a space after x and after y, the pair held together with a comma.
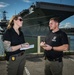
x: 56, y: 19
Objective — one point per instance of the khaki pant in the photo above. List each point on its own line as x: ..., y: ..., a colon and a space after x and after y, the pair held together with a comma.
x: 16, y: 67
x: 53, y: 67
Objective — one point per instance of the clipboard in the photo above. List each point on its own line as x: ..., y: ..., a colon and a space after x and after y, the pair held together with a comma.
x: 25, y: 48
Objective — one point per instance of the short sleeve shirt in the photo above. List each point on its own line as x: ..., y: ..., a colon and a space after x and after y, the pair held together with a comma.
x: 14, y: 38
x: 55, y: 39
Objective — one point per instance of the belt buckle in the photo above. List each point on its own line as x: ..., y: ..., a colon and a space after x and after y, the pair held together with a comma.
x: 58, y: 59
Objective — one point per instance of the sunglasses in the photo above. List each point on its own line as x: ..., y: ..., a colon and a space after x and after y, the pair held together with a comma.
x: 20, y: 19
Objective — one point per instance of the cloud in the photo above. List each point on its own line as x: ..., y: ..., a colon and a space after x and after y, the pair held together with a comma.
x: 27, y: 1
x: 2, y: 4
x: 67, y: 25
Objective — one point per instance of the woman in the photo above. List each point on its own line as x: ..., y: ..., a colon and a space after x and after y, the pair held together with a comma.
x: 14, y: 40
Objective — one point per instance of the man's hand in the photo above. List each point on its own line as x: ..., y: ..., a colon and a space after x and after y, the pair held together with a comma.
x: 47, y: 47
x: 42, y: 44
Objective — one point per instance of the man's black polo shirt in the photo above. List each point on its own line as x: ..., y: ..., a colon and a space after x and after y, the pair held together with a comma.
x: 55, y: 39
x: 14, y: 38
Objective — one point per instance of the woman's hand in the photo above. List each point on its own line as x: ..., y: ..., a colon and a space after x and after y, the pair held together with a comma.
x: 25, y: 45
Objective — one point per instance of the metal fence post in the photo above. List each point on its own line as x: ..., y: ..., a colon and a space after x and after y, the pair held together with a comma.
x: 38, y: 48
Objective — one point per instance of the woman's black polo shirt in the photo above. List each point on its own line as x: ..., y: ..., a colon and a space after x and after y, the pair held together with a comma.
x: 55, y: 39
x: 14, y: 38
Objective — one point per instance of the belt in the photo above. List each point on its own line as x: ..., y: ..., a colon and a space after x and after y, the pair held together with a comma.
x: 56, y: 59
x: 19, y: 54
x: 13, y: 57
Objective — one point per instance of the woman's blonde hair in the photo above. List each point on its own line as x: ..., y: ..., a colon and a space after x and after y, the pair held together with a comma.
x: 11, y: 22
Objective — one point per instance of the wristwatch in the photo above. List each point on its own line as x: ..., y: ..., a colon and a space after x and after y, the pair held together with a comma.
x: 52, y: 47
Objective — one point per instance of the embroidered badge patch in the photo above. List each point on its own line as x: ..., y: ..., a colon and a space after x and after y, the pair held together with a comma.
x: 54, y: 38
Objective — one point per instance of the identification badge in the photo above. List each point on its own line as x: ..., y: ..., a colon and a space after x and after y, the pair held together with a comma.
x: 13, y: 58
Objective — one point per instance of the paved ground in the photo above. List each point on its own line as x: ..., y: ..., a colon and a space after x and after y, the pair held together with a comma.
x: 35, y: 65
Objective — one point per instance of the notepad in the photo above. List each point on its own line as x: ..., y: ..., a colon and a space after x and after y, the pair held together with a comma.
x: 30, y: 46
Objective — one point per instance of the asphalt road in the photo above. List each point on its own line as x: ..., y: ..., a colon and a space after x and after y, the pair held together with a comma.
x: 35, y: 65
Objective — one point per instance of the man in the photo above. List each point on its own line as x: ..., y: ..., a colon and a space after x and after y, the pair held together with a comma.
x: 55, y: 43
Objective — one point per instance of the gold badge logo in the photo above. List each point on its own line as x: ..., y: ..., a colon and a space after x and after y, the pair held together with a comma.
x: 13, y: 58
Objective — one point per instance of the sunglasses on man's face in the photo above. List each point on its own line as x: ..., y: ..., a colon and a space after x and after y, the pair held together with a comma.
x: 20, y: 19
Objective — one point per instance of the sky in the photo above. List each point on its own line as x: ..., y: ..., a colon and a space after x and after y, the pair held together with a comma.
x: 15, y: 6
